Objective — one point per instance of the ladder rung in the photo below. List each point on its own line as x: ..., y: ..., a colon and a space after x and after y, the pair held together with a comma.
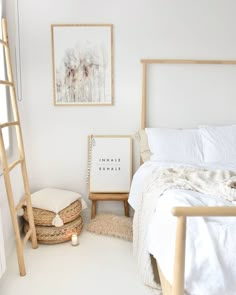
x: 3, y: 43
x: 21, y: 203
x: 8, y: 124
x: 27, y: 236
x: 13, y: 165
x: 7, y: 83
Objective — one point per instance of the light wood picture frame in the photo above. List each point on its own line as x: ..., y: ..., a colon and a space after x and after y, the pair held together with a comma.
x: 110, y: 163
x: 82, y: 59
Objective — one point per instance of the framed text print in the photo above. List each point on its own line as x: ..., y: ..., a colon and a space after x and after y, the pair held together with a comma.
x: 82, y: 64
x: 110, y: 164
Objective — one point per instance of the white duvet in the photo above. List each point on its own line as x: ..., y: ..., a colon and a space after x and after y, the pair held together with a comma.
x: 211, y: 242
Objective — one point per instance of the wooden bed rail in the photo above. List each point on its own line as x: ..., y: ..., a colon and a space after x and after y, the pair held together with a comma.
x: 204, y: 211
x: 182, y: 213
x: 188, y: 61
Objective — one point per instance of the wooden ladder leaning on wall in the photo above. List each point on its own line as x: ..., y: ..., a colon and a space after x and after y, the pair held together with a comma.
x: 21, y: 161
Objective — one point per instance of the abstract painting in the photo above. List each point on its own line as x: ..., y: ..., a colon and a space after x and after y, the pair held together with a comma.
x: 82, y: 64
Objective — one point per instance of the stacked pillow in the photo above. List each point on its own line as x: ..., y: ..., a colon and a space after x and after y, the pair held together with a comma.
x: 206, y: 144
x: 219, y: 144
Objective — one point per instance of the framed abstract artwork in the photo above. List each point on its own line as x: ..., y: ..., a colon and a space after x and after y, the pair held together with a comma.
x: 110, y: 163
x: 82, y: 57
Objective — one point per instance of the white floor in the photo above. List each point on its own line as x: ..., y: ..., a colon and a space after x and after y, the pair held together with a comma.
x: 98, y: 266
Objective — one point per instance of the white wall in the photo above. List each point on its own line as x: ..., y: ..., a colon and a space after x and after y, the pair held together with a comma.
x: 56, y: 137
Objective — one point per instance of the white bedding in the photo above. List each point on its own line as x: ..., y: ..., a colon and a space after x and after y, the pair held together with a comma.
x: 148, y: 167
x: 210, y: 264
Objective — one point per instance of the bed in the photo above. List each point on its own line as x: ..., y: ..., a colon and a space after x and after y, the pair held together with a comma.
x: 196, y: 223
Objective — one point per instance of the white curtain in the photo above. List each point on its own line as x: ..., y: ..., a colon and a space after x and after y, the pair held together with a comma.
x: 2, y: 251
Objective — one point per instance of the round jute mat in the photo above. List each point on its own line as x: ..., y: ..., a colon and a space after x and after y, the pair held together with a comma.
x: 112, y: 225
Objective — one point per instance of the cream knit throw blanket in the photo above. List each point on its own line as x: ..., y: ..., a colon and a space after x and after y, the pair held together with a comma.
x: 210, y: 182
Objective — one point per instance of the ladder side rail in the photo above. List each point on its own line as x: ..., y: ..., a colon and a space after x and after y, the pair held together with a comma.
x: 34, y: 240
x: 12, y: 91
x: 9, y: 71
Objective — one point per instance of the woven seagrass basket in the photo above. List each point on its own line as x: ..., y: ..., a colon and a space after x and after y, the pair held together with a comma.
x: 45, y: 217
x: 56, y: 235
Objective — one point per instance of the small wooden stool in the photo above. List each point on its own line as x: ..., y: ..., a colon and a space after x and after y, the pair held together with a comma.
x: 94, y: 197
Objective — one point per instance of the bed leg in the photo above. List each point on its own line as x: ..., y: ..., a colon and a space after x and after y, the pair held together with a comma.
x: 179, y: 265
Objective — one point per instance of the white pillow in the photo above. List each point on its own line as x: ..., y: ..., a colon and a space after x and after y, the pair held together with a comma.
x: 219, y: 144
x: 175, y: 145
x: 55, y: 200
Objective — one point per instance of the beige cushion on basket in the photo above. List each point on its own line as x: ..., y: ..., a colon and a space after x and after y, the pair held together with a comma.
x: 141, y: 138
x: 55, y: 200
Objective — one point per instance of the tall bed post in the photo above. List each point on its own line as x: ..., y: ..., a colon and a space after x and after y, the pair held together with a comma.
x: 179, y: 264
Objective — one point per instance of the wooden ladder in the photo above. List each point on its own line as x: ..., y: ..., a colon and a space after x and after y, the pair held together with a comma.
x: 26, y: 200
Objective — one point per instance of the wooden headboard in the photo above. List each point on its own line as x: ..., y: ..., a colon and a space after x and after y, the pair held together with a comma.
x: 147, y: 62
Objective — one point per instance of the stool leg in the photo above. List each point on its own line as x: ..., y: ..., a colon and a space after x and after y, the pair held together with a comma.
x: 126, y: 207
x: 93, y: 212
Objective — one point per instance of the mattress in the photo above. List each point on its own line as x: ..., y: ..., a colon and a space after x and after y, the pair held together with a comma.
x: 210, y: 266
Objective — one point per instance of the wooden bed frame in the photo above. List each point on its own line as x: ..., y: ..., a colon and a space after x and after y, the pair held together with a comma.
x: 181, y: 212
